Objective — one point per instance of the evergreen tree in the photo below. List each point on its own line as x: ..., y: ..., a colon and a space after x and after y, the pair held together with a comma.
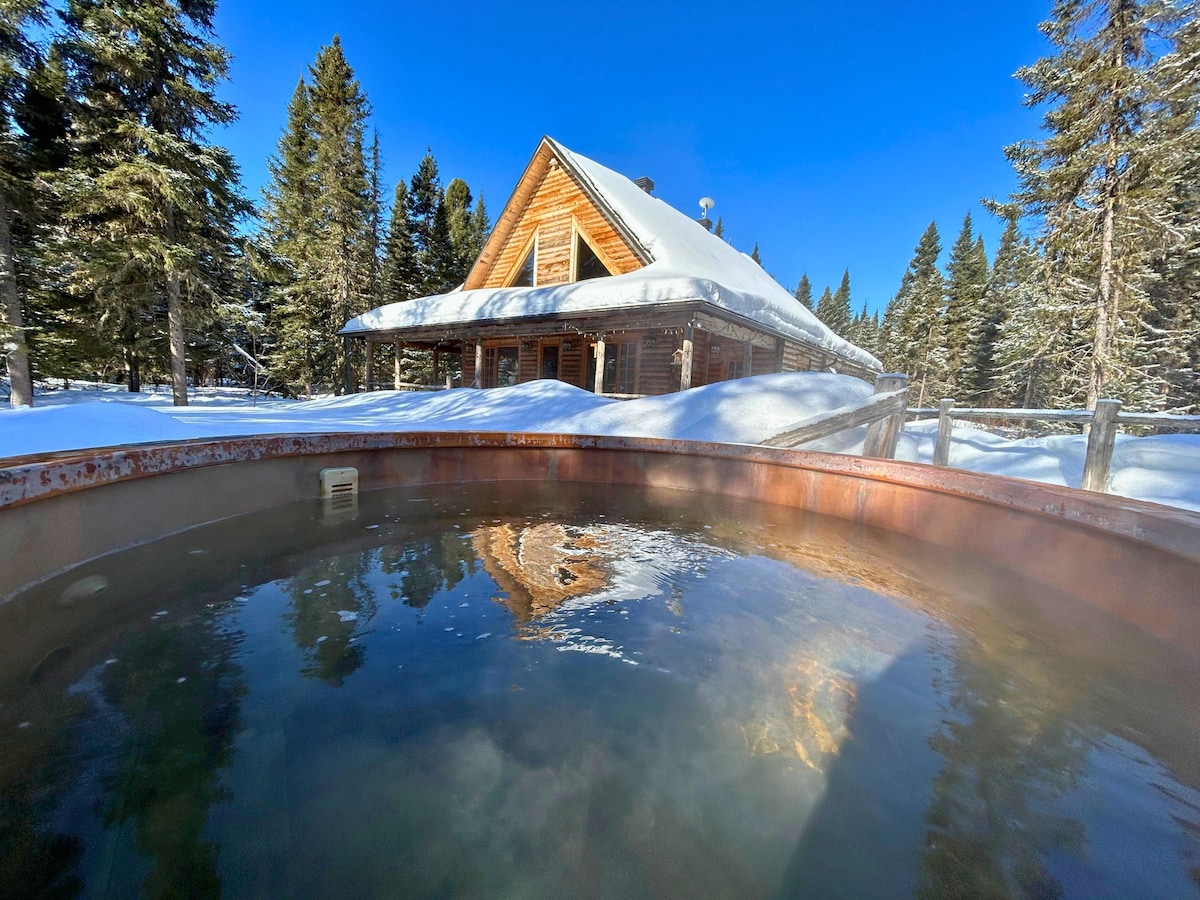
x: 18, y: 57
x: 150, y: 203
x: 430, y: 226
x: 754, y: 254
x: 374, y: 249
x: 913, y: 320
x: 295, y: 303
x: 463, y: 237
x: 1121, y: 132
x: 344, y: 209
x: 863, y: 331
x: 834, y: 309
x: 719, y: 229
x: 966, y: 286
x: 825, y: 300
x: 803, y: 291
x: 401, y: 277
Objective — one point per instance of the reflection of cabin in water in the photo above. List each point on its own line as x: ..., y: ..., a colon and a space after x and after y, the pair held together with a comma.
x: 540, y: 567
x: 589, y: 279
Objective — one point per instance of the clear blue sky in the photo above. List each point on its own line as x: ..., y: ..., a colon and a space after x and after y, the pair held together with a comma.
x: 830, y: 134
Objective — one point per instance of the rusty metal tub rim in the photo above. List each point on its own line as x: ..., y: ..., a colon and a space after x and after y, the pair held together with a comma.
x: 1128, y: 556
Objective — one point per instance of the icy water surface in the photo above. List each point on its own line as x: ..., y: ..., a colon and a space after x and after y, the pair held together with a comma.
x: 547, y: 691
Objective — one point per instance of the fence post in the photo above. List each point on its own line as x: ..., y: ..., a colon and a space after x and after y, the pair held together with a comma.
x: 941, y: 450
x: 883, y: 434
x: 1101, y: 437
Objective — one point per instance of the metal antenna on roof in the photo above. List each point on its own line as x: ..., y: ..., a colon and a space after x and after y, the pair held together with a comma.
x: 706, y: 203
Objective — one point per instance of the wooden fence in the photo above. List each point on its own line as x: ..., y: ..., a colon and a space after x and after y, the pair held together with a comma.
x: 1102, y: 433
x: 883, y: 412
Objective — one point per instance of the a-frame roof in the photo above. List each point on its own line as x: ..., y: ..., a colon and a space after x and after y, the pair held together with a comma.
x: 553, y: 175
x: 686, y: 264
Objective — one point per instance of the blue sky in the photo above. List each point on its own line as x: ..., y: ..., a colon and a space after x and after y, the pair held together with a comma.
x: 830, y: 134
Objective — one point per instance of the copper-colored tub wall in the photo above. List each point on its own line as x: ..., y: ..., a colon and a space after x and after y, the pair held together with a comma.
x: 1139, y: 560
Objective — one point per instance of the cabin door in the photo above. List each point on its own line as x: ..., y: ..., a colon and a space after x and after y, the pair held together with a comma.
x: 548, y: 367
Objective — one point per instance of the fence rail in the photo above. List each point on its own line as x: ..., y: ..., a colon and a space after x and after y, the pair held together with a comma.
x: 883, y: 411
x: 1102, y: 434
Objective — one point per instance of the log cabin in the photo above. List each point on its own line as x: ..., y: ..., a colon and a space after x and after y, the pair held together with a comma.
x: 590, y: 279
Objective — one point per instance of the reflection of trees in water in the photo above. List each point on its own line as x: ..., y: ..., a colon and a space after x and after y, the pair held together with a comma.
x: 180, y: 691
x: 1009, y: 755
x: 420, y: 569
x: 318, y: 593
x: 35, y: 861
x: 326, y: 590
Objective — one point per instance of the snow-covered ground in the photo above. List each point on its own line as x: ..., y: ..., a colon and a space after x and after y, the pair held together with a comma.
x: 1162, y: 469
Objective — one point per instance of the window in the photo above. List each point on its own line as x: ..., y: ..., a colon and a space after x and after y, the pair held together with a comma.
x: 587, y: 263
x: 500, y: 366
x: 526, y: 273
x: 620, y: 367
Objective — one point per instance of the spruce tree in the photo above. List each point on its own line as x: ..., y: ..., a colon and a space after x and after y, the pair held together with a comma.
x: 719, y: 229
x: 18, y: 56
x: 401, y: 277
x: 343, y: 208
x: 754, y: 254
x: 464, y: 247
x: 1121, y: 92
x: 834, y: 309
x: 150, y: 201
x: 979, y: 369
x: 966, y: 286
x: 913, y: 320
x: 295, y: 302
x: 803, y: 291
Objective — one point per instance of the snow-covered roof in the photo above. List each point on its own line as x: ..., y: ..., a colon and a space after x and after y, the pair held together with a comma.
x: 689, y: 264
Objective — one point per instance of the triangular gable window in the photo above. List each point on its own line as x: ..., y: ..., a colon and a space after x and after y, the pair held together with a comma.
x: 523, y: 276
x: 587, y: 263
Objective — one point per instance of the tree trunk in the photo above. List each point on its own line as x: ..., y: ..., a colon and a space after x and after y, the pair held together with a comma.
x: 175, y: 320
x: 133, y: 370
x: 16, y: 350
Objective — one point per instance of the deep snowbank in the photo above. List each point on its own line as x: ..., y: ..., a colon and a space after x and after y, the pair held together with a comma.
x: 1163, y: 469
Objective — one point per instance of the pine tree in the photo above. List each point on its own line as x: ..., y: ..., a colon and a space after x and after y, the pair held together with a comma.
x: 719, y: 229
x: 1121, y: 129
x: 754, y: 254
x: 966, y: 286
x: 150, y: 203
x: 803, y: 291
x: 343, y: 210
x: 18, y: 57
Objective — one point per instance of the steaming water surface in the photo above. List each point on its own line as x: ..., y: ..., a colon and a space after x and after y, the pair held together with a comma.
x: 544, y: 690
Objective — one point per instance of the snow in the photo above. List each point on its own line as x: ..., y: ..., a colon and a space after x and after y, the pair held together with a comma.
x: 1163, y: 469
x: 688, y: 264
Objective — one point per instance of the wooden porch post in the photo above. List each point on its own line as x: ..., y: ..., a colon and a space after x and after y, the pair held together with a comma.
x: 685, y: 369
x: 478, y: 364
x: 437, y: 366
x: 748, y: 360
x: 370, y: 364
x: 396, y: 366
x: 598, y: 386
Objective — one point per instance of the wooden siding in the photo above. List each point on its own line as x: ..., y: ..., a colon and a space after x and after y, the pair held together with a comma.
x: 764, y: 361
x: 550, y: 208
